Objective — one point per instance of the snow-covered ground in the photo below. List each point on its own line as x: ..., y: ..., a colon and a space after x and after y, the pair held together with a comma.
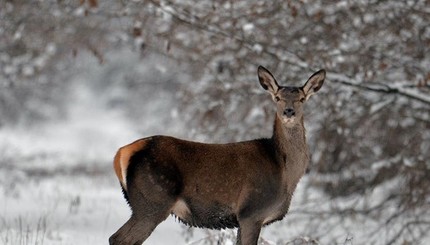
x: 69, y: 209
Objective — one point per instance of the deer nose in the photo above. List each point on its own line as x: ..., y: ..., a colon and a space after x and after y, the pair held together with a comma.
x: 289, y: 112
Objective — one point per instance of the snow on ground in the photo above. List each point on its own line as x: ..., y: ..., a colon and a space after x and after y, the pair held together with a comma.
x: 70, y: 209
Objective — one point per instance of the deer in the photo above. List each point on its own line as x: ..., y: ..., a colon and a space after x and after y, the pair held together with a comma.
x: 244, y: 185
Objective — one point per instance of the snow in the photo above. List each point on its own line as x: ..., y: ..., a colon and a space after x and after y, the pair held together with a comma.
x: 257, y: 48
x: 248, y: 27
x: 100, y: 211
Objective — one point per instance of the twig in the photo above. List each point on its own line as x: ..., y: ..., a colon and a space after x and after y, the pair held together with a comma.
x: 380, y: 88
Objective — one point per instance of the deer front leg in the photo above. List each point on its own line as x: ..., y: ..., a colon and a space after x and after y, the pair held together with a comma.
x: 248, y: 232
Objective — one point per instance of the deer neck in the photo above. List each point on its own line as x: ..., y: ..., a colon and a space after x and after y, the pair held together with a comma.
x: 290, y: 144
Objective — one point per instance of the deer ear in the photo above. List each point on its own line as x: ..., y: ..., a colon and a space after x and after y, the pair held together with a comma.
x: 314, y: 83
x: 267, y: 80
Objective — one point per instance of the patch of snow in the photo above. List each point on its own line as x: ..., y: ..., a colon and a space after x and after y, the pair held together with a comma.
x: 257, y: 48
x: 248, y: 27
x: 304, y: 40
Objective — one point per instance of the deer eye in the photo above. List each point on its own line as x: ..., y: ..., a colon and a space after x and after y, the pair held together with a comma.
x: 302, y: 100
x: 277, y: 98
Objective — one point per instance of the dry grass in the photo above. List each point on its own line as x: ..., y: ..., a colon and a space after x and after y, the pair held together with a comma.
x: 22, y: 232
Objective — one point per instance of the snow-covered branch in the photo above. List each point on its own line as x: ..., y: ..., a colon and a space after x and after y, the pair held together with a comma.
x: 397, y: 88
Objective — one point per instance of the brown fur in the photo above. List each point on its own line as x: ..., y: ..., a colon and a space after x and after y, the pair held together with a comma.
x: 245, y: 184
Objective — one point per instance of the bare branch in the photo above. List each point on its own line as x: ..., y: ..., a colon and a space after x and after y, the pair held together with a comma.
x: 379, y: 87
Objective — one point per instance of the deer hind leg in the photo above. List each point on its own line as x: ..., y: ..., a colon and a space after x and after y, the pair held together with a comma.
x: 152, y: 190
x: 248, y: 233
x: 143, y: 221
x: 147, y: 214
x: 134, y: 231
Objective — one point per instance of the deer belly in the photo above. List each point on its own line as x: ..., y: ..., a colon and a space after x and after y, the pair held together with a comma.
x: 214, y: 216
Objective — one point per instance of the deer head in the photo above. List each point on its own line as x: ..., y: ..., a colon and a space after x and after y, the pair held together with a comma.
x: 290, y: 100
